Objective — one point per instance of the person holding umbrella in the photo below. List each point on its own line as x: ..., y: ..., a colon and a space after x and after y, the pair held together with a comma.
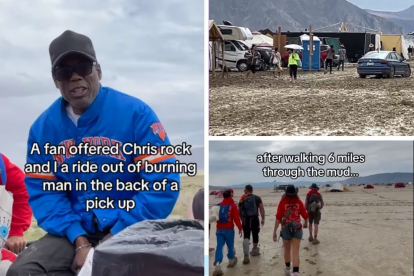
x: 293, y: 64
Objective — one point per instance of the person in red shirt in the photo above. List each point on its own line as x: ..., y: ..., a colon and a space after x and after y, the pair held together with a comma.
x: 228, y: 217
x: 289, y: 211
x: 314, y: 204
x: 13, y: 178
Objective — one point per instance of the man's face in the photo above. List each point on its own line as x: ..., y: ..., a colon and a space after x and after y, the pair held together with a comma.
x: 80, y: 91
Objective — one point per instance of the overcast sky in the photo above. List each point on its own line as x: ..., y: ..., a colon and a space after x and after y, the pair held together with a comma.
x: 235, y: 162
x: 149, y: 49
x: 383, y: 5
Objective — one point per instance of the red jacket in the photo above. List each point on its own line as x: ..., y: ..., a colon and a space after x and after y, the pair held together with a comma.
x: 22, y: 214
x: 233, y: 215
x: 298, y: 209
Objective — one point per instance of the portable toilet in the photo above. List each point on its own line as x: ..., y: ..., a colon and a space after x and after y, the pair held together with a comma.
x: 316, y: 59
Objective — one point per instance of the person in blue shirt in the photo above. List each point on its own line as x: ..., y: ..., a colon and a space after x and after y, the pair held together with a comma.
x: 90, y: 113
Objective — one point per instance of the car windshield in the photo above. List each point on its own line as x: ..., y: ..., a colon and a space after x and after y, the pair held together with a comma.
x: 379, y: 55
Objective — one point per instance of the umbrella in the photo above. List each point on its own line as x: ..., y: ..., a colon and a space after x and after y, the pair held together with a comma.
x: 294, y: 47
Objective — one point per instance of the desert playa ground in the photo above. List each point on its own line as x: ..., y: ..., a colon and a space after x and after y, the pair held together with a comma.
x: 340, y: 104
x: 362, y: 232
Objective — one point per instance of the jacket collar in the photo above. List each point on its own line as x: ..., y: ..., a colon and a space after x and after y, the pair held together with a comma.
x: 91, y: 113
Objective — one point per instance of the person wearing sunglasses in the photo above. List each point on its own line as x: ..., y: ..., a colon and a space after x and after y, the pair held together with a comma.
x: 90, y: 113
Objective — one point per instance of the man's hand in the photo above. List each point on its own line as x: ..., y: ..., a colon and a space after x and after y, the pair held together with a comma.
x: 16, y: 244
x: 274, y: 236
x: 106, y: 237
x: 80, y: 259
x: 305, y: 225
x: 80, y: 256
x: 262, y: 222
x: 240, y: 233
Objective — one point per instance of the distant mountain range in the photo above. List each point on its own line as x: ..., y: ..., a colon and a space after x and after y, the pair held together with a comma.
x: 404, y: 18
x: 370, y: 179
x: 298, y: 15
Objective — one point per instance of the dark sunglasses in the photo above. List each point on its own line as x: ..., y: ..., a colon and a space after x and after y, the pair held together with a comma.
x: 81, y: 69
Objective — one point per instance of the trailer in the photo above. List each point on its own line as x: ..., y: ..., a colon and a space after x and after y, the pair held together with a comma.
x: 356, y: 44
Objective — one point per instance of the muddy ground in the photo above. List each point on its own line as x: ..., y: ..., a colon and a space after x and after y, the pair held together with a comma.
x: 340, y: 104
x: 363, y: 232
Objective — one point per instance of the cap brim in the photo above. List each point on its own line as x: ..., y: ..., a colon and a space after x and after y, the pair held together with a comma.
x: 59, y: 58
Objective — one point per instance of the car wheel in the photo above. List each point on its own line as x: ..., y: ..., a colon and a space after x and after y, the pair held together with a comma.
x: 392, y: 74
x: 407, y: 72
x: 362, y: 76
x: 242, y: 66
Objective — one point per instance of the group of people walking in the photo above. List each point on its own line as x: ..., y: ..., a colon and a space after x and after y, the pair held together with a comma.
x: 294, y: 61
x: 245, y: 216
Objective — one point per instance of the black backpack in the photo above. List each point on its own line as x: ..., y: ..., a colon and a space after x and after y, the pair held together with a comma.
x: 249, y: 207
x: 313, y: 198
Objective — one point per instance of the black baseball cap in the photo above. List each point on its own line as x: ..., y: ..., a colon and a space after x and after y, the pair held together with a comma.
x: 68, y: 43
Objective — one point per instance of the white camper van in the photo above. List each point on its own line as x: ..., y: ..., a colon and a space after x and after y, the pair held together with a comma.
x: 236, y: 44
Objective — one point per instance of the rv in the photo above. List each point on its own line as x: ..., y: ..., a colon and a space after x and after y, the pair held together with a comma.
x: 236, y: 44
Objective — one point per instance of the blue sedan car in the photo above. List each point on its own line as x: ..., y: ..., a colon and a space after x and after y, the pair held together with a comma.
x: 383, y: 63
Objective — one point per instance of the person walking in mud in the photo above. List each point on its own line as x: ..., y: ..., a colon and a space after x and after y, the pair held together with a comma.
x: 293, y: 65
x: 342, y: 57
x: 252, y: 57
x: 227, y: 218
x: 289, y: 211
x: 329, y: 59
x: 249, y: 207
x: 314, y: 204
x: 276, y: 59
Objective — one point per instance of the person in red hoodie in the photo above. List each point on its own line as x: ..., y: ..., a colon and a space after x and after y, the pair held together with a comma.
x: 228, y: 217
x: 13, y: 179
x: 314, y: 204
x: 289, y: 211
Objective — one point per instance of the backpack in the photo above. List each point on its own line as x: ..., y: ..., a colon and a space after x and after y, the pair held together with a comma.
x: 249, y: 207
x: 313, y: 198
x: 224, y: 213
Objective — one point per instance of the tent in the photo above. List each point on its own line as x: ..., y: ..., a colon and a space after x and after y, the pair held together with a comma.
x: 316, y: 61
x: 336, y: 187
x: 261, y: 40
x: 397, y: 41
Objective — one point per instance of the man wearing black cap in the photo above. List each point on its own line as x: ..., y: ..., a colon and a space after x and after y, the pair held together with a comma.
x: 314, y: 204
x: 100, y: 116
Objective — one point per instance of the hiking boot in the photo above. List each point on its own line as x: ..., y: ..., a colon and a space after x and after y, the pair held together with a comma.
x: 310, y: 238
x: 246, y: 259
x: 217, y: 271
x: 232, y: 262
x: 315, y: 241
x: 287, y: 271
x: 255, y: 251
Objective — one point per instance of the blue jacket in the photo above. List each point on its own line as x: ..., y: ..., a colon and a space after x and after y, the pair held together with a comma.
x: 113, y: 117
